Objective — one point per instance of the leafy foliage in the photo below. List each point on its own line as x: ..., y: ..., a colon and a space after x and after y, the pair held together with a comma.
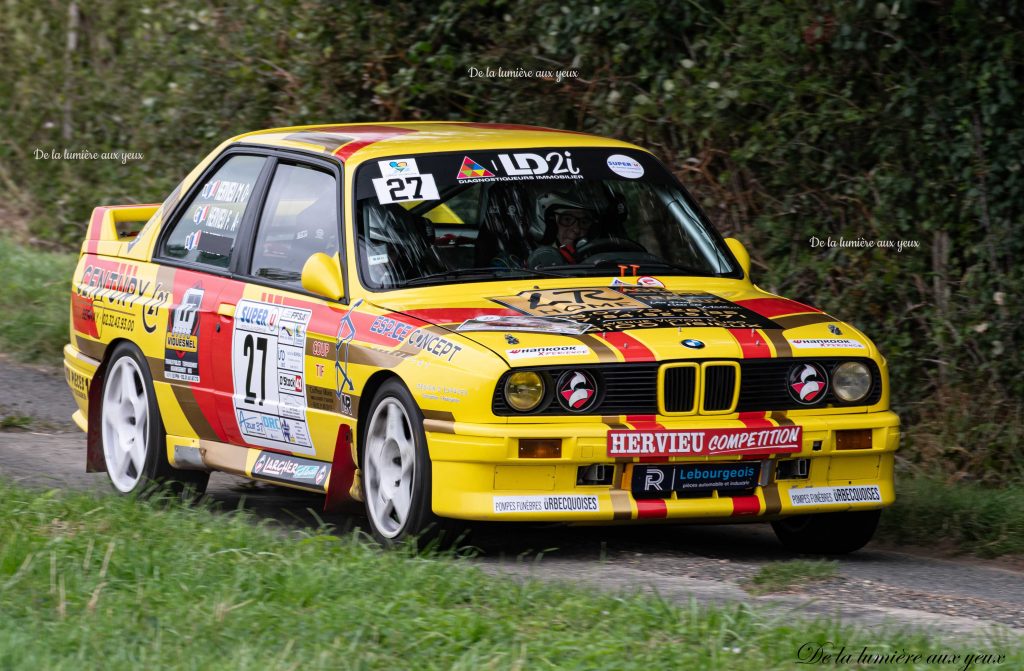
x: 856, y: 120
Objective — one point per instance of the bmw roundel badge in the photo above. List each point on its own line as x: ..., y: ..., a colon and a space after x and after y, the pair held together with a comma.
x: 693, y: 344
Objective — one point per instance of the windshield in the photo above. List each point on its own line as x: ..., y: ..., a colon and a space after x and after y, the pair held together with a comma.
x: 484, y: 215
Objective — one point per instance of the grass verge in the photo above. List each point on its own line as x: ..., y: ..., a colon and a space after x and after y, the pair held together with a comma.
x: 784, y: 576
x: 34, y: 297
x: 108, y: 583
x: 968, y: 517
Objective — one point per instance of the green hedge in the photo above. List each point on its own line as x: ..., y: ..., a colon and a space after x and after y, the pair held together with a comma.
x: 882, y: 121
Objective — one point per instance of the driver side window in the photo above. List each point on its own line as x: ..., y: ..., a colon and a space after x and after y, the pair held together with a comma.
x: 300, y: 218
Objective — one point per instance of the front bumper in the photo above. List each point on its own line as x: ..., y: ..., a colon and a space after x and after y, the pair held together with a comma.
x: 477, y: 471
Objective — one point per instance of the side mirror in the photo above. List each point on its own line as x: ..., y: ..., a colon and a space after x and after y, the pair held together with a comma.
x: 735, y: 246
x: 321, y: 275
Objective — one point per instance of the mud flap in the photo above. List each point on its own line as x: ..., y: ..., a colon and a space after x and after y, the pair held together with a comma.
x: 94, y: 461
x: 342, y: 471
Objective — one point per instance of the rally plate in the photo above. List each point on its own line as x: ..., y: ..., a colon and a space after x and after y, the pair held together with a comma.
x: 692, y: 480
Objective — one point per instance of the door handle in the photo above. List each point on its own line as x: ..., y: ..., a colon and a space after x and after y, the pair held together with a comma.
x: 226, y: 310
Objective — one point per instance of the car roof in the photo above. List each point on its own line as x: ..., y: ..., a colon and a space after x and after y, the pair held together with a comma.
x: 357, y: 142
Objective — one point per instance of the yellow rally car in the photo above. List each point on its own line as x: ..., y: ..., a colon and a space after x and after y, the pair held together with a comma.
x: 461, y: 321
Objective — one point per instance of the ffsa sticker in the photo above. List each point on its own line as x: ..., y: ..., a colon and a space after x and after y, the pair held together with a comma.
x: 267, y: 354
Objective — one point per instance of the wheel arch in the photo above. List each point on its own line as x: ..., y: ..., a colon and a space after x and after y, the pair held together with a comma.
x: 374, y: 383
x: 94, y: 462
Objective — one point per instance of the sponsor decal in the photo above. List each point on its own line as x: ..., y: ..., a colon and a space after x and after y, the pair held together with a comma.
x: 576, y: 390
x: 511, y: 339
x: 398, y: 166
x: 676, y: 442
x: 520, y: 166
x: 546, y: 504
x: 181, y: 346
x: 471, y: 169
x: 321, y: 398
x: 292, y: 407
x: 79, y: 383
x: 624, y: 166
x: 288, y: 356
x: 693, y: 479
x: 293, y: 470
x: 346, y: 334
x: 526, y: 324
x: 807, y: 383
x: 440, y: 347
x: 260, y: 317
x: 391, y: 328
x: 121, y: 322
x: 435, y: 392
x: 267, y: 349
x: 377, y: 259
x: 320, y: 348
x: 648, y: 281
x: 621, y: 308
x: 816, y: 496
x: 826, y: 343
x: 250, y: 423
x: 116, y: 288
x: 834, y: 330
x: 288, y: 381
x: 83, y: 316
x: 555, y: 350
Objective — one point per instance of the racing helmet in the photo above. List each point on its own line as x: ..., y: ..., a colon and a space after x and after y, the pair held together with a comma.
x: 542, y: 229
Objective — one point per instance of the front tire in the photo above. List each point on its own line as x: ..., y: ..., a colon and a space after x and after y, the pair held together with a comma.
x: 827, y: 533
x: 132, y: 431
x: 396, y: 471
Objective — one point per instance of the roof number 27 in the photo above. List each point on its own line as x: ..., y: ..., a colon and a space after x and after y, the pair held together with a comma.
x: 399, y: 187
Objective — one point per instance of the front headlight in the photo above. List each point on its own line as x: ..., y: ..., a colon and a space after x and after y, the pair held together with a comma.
x: 851, y: 381
x: 524, y: 391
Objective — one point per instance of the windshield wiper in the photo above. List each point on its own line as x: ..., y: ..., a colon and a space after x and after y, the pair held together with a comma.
x: 469, y: 272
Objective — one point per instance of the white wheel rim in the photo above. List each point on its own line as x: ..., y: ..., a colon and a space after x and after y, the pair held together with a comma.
x: 125, y: 416
x: 390, y: 463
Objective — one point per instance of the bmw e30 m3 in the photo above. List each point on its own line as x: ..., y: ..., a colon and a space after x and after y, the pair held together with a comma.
x: 461, y: 321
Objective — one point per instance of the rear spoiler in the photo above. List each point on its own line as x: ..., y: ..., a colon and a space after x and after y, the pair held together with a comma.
x: 112, y: 227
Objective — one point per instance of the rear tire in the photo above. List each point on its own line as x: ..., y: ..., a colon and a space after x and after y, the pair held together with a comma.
x: 827, y: 533
x: 396, y: 472
x: 132, y: 431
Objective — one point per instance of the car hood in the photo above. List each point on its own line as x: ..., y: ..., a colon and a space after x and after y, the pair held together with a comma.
x: 605, y: 321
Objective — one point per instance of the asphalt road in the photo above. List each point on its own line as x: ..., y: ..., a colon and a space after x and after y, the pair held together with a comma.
x: 878, y: 587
